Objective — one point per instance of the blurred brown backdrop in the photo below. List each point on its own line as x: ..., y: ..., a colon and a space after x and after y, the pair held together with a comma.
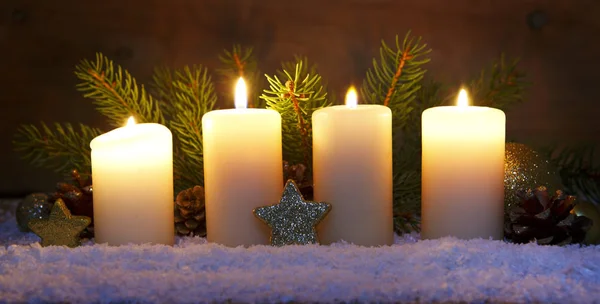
x: 41, y: 41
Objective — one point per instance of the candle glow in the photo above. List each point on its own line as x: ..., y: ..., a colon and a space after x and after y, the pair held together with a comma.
x: 130, y: 121
x: 463, y: 98
x: 241, y: 94
x: 351, y: 98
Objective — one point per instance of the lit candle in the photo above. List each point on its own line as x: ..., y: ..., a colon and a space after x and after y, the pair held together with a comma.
x: 352, y: 164
x: 132, y: 172
x: 242, y: 170
x: 463, y: 171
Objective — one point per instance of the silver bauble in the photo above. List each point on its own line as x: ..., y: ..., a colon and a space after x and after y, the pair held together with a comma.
x: 34, y: 206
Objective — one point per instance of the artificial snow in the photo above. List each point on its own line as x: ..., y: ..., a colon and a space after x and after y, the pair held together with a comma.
x: 445, y: 270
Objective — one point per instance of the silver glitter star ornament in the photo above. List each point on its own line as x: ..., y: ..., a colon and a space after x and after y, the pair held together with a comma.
x: 293, y: 221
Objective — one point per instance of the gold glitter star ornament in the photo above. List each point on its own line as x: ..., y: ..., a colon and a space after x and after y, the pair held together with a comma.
x: 61, y: 228
x: 293, y: 221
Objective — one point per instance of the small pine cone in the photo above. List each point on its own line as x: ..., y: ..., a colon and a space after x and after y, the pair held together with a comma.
x: 545, y: 220
x: 77, y: 195
x: 190, y: 215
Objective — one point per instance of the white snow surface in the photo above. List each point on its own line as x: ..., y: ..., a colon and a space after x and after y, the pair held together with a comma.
x: 194, y: 271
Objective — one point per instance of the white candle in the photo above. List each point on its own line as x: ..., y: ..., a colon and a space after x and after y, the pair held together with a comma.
x: 352, y: 164
x: 242, y: 170
x: 463, y: 171
x: 132, y: 172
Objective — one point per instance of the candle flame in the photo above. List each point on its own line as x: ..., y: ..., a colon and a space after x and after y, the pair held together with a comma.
x: 241, y: 94
x: 130, y: 121
x: 463, y: 98
x: 351, y: 98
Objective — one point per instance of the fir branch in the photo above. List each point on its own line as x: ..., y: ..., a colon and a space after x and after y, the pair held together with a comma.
x: 162, y: 87
x: 578, y: 169
x: 296, y: 98
x: 187, y: 95
x: 306, y: 68
x: 500, y: 86
x: 59, y: 147
x: 407, y: 198
x: 241, y: 62
x: 302, y: 124
x: 115, y: 92
x: 237, y: 60
x: 395, y: 79
x: 404, y: 57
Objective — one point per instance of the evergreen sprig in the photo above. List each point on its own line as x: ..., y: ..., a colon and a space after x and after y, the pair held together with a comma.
x: 241, y: 62
x: 500, y: 86
x: 579, y: 171
x: 59, y: 147
x: 396, y: 77
x: 187, y: 94
x: 296, y: 96
x: 115, y: 92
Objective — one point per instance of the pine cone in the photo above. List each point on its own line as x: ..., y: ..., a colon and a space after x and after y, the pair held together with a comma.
x: 77, y: 195
x: 545, y: 220
x: 190, y: 215
x: 297, y: 173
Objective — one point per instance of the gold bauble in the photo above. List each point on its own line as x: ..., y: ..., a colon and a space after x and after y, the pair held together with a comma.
x: 591, y: 211
x: 525, y: 168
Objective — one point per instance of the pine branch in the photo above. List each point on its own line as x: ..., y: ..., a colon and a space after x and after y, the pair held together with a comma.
x: 407, y: 198
x: 59, y: 147
x: 241, y: 62
x: 187, y: 95
x: 500, y: 86
x: 296, y: 98
x: 577, y: 167
x: 238, y: 61
x: 162, y: 87
x: 115, y: 92
x: 395, y: 79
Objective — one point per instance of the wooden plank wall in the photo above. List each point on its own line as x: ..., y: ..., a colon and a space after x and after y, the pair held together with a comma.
x: 41, y: 41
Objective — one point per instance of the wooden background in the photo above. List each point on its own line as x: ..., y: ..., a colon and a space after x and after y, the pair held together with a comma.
x: 41, y: 41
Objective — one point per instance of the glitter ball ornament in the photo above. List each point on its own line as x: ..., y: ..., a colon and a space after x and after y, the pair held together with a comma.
x: 293, y: 220
x: 524, y: 168
x: 34, y: 206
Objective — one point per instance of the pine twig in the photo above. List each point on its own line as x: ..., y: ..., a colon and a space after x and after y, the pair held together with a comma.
x: 241, y: 62
x: 187, y: 94
x: 405, y: 56
x: 578, y: 169
x: 115, y: 92
x: 302, y: 125
x: 500, y: 86
x: 395, y: 78
x: 59, y: 147
x: 295, y: 99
